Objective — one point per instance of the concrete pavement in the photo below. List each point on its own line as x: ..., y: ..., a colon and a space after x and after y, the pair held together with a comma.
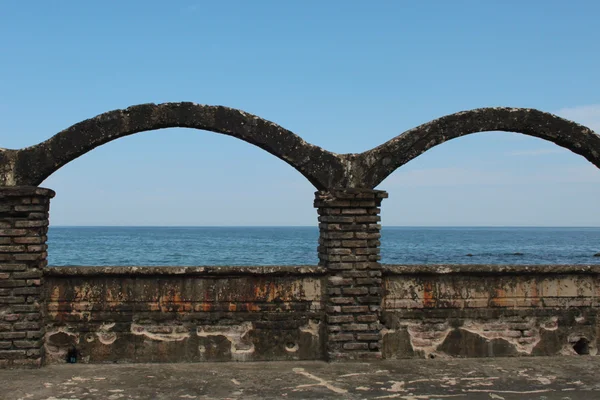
x: 548, y: 378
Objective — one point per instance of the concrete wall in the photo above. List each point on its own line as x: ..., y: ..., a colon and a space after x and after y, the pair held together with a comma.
x: 170, y: 314
x: 490, y: 310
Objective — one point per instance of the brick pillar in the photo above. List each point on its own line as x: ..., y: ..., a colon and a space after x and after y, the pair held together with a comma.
x: 23, y: 229
x: 349, y: 247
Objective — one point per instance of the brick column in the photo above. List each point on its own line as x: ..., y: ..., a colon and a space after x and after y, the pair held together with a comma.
x: 349, y: 247
x: 23, y: 229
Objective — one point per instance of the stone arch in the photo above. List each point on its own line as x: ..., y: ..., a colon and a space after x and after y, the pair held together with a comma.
x: 31, y: 165
x: 373, y: 166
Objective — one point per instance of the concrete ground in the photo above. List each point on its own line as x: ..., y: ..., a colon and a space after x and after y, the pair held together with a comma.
x: 564, y: 378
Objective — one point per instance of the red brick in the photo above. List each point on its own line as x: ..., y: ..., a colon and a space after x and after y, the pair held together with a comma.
x: 341, y: 337
x: 354, y: 211
x: 354, y: 243
x: 13, y: 267
x: 369, y: 299
x: 10, y: 283
x: 12, y: 335
x: 341, y: 300
x: 368, y: 336
x: 339, y: 281
x: 27, y: 344
x: 12, y: 249
x: 13, y: 232
x: 31, y: 274
x: 367, y: 318
x: 29, y: 239
x: 355, y: 274
x: 356, y: 327
x: 356, y: 346
x: 355, y: 309
x: 12, y: 299
x: 355, y: 291
x: 336, y: 319
x: 31, y: 224
x: 368, y: 218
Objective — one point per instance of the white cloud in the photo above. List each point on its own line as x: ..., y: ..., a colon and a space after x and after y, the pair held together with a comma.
x: 585, y: 115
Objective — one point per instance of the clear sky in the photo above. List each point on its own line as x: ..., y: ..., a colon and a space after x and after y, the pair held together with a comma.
x: 345, y: 75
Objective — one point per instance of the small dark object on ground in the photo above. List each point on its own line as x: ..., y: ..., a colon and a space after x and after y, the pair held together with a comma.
x: 72, y: 356
x: 597, y: 255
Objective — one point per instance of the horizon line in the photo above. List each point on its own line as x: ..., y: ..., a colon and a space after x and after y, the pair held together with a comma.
x: 316, y: 226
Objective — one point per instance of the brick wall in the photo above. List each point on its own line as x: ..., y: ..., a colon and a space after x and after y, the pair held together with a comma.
x: 23, y: 229
x: 349, y: 249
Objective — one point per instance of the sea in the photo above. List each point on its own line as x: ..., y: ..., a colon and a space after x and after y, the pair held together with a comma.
x: 197, y: 246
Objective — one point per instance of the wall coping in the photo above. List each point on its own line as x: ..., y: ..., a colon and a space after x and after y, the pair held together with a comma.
x: 22, y: 191
x: 488, y: 269
x: 388, y: 269
x: 229, y: 270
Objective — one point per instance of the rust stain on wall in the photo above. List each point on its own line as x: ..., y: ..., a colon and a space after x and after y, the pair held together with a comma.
x: 449, y: 314
x: 185, y: 318
x: 429, y: 296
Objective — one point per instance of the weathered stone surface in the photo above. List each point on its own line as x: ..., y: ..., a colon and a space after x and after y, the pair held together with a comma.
x: 204, y: 314
x: 474, y: 379
x: 372, y: 167
x: 350, y: 288
x: 487, y: 269
x: 478, y: 311
x: 30, y: 166
x: 281, y: 270
x: 463, y: 343
x: 23, y: 257
x: 324, y: 169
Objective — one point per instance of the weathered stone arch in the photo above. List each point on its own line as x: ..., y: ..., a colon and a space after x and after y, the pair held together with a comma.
x: 349, y: 245
x: 31, y: 165
x: 324, y: 169
x: 373, y: 166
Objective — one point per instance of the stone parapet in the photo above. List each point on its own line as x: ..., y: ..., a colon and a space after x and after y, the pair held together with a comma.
x: 148, y: 314
x: 490, y: 310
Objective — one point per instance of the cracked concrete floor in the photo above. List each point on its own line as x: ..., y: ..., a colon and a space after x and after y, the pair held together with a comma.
x: 548, y: 378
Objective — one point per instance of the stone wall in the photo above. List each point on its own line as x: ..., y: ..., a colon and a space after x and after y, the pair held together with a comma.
x: 490, y: 310
x: 193, y: 314
x: 171, y: 314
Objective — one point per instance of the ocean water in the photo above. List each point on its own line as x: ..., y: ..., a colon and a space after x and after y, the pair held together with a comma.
x: 190, y: 246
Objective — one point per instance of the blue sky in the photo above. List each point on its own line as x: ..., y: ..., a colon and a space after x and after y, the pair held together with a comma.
x: 345, y: 75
